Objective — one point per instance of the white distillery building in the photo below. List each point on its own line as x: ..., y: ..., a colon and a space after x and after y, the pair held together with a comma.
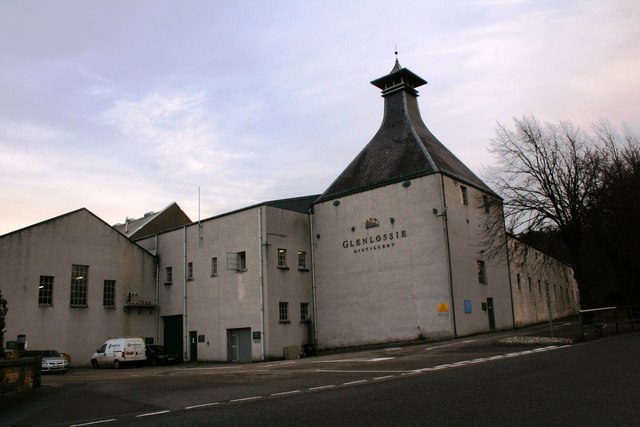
x: 391, y: 251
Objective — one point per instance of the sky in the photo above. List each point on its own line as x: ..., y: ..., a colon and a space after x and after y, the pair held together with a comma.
x: 126, y: 106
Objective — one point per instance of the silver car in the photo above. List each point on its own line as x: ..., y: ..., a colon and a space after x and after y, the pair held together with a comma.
x: 52, y: 361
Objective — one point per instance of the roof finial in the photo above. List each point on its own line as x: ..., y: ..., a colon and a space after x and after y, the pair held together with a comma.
x: 396, y: 51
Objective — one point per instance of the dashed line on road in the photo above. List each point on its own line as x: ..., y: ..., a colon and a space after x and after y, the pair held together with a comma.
x: 355, y: 382
x: 110, y: 420
x: 285, y: 393
x: 202, y: 405
x: 245, y: 399
x: 149, y: 414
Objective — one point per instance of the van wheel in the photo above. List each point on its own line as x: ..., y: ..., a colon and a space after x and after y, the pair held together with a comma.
x: 116, y: 364
x: 94, y: 363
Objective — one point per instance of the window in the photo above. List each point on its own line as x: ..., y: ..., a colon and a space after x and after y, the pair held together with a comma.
x: 464, y: 195
x: 45, y: 290
x: 282, y: 258
x: 169, y: 275
x: 304, y: 312
x: 284, y: 312
x: 529, y: 281
x: 214, y: 266
x: 189, y: 271
x: 109, y: 294
x: 539, y: 287
x: 518, y: 280
x: 485, y: 202
x: 237, y: 261
x: 79, y: 279
x: 482, y: 272
x: 302, y: 260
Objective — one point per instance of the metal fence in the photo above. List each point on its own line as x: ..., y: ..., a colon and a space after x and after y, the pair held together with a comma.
x: 598, y: 322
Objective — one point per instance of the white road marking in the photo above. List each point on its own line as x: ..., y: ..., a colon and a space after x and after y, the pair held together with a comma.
x: 203, y: 405
x: 244, y: 399
x: 383, y: 378
x: 284, y: 393
x: 322, y: 387
x: 148, y: 414
x: 355, y: 382
x: 93, y: 423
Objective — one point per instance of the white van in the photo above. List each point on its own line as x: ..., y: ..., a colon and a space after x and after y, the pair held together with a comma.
x: 117, y: 352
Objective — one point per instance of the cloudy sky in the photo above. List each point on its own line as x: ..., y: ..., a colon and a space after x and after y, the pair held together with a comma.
x: 124, y: 106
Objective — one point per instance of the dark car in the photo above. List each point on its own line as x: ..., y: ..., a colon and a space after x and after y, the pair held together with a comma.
x: 158, y: 355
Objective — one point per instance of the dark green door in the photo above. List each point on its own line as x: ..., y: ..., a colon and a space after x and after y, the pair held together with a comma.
x: 173, y: 334
x: 492, y: 316
x: 193, y: 345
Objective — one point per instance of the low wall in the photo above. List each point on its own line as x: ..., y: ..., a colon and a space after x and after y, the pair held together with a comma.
x: 18, y: 375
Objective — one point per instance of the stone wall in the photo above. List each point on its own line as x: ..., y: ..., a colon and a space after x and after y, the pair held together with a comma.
x: 19, y: 375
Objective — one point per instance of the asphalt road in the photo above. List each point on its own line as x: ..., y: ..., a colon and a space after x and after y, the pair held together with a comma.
x: 471, y: 381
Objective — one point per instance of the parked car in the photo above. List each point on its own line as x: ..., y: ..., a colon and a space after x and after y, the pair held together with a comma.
x: 52, y: 361
x: 158, y: 355
x: 118, y: 352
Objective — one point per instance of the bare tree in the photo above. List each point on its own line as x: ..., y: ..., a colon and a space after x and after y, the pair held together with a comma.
x: 552, y: 177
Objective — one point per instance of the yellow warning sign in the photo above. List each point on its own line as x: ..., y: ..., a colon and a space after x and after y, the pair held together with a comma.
x: 443, y: 307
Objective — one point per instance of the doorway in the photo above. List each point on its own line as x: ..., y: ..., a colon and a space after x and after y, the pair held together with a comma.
x: 193, y: 346
x: 239, y: 345
x: 491, y: 313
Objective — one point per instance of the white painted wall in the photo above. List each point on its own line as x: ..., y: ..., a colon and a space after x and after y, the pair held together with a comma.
x: 49, y: 249
x: 386, y: 290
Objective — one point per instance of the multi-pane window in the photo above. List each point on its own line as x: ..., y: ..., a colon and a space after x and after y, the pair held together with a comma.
x: 214, y: 266
x: 282, y: 258
x: 109, y: 294
x: 304, y: 311
x: 45, y: 290
x: 189, y: 271
x: 168, y: 275
x: 464, y: 195
x: 302, y: 260
x: 482, y: 272
x: 79, y: 280
x: 283, y: 312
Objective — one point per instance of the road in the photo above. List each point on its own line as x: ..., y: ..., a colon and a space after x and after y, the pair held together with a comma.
x: 460, y: 382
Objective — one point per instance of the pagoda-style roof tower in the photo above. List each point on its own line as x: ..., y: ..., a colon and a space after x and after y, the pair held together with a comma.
x: 403, y: 148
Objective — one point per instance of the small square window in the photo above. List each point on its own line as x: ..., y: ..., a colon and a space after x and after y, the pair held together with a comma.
x: 283, y: 312
x: 237, y: 261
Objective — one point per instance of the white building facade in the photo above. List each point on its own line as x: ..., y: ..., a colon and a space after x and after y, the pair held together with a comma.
x: 393, y: 250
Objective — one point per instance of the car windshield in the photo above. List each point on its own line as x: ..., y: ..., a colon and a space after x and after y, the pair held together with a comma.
x: 50, y: 353
x: 155, y: 348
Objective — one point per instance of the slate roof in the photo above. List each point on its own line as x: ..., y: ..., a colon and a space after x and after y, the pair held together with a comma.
x: 154, y: 222
x: 403, y: 148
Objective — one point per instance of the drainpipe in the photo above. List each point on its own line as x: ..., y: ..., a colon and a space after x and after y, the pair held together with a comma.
x: 506, y: 246
x: 314, y: 320
x: 261, y: 280
x: 185, y: 339
x: 157, y: 260
x: 446, y: 233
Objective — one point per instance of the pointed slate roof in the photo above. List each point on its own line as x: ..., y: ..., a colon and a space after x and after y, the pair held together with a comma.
x: 403, y: 148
